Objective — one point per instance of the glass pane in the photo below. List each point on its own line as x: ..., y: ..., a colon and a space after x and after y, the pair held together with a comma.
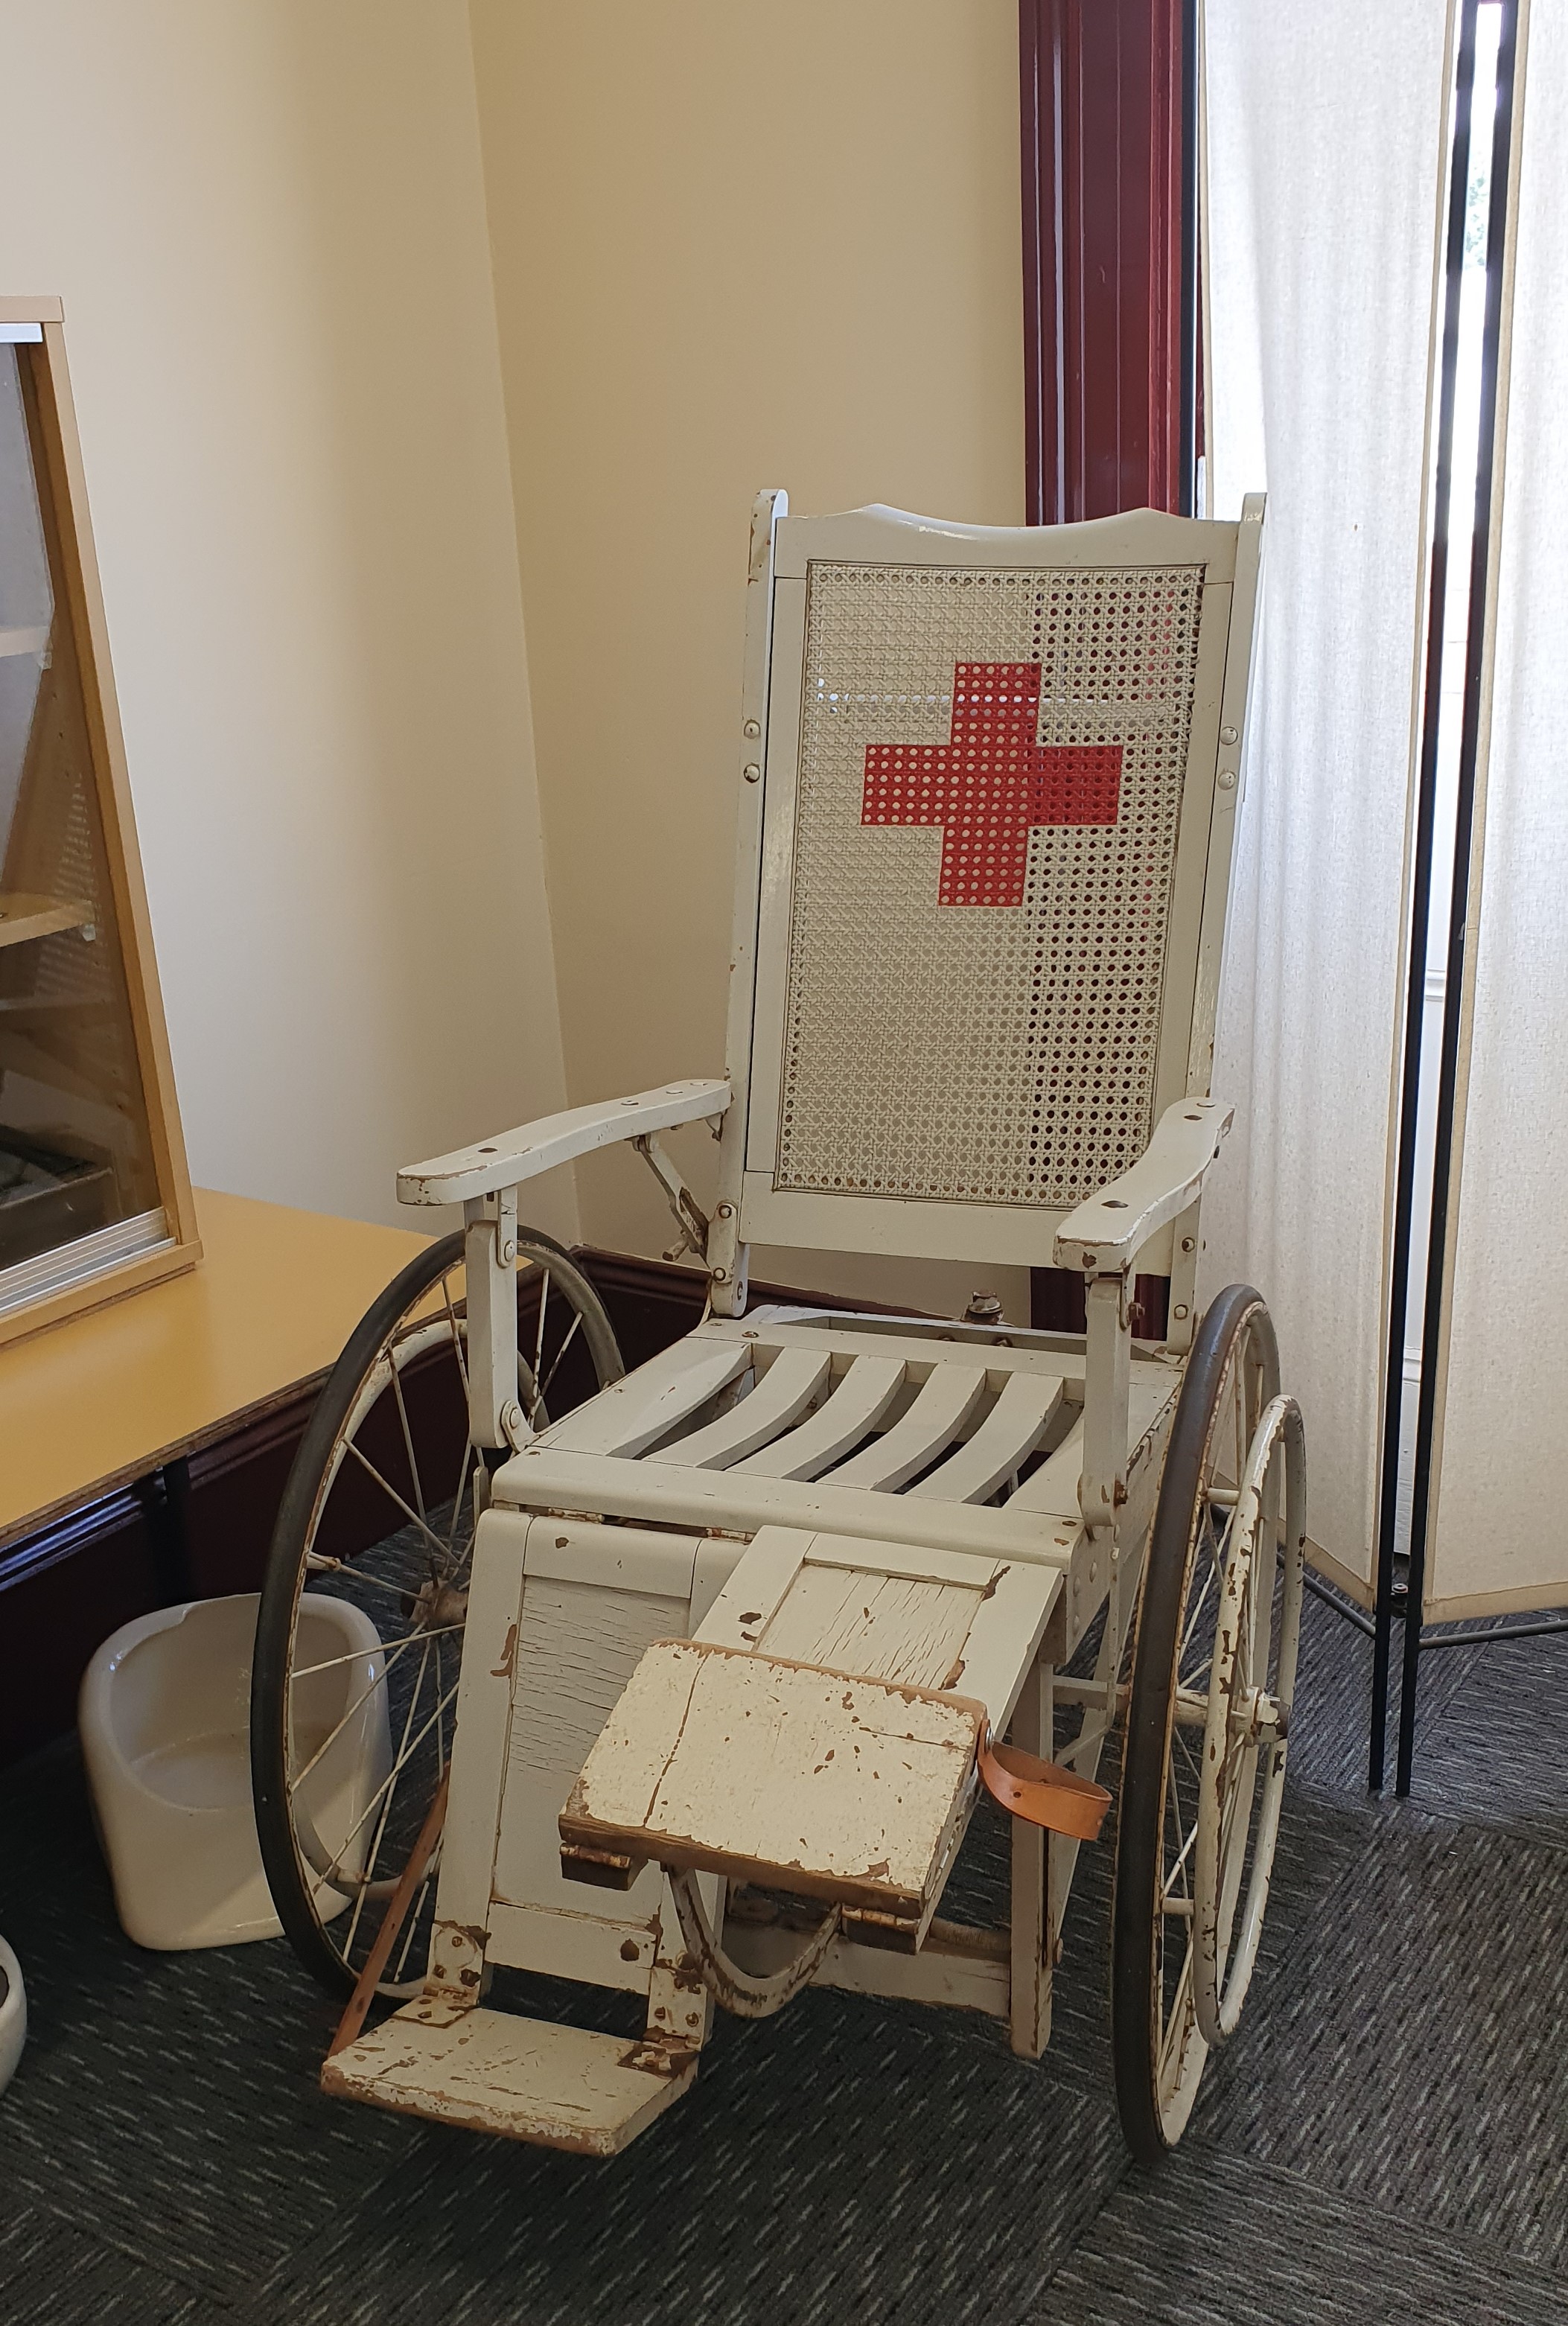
x: 75, y: 1148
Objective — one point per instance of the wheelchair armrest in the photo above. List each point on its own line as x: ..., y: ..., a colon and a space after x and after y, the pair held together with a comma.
x: 513, y: 1156
x: 1104, y: 1234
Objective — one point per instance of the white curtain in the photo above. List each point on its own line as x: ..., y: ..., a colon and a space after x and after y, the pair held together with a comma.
x: 1501, y: 1489
x: 1324, y: 137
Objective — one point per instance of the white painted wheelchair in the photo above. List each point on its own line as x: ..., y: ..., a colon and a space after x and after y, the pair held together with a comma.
x: 692, y: 1692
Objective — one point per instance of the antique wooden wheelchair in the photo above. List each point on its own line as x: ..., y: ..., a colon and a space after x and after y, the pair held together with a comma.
x: 692, y: 1692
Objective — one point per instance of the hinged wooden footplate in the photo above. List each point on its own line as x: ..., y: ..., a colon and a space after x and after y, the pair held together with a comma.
x: 782, y: 1773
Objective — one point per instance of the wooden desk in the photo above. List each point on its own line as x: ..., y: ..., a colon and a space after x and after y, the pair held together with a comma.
x: 110, y: 1399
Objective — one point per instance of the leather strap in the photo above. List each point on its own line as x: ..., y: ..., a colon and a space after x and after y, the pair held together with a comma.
x: 1041, y: 1793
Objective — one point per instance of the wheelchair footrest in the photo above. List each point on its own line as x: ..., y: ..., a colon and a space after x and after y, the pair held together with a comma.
x: 525, y: 2078
x: 788, y: 1776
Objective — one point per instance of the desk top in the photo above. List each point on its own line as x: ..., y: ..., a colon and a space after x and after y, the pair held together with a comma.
x: 89, y: 1404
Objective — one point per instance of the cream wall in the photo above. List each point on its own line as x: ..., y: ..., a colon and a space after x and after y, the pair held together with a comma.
x: 266, y: 220
x: 736, y: 244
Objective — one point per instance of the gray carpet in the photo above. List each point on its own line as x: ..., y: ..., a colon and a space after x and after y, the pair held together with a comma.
x: 1386, y: 2140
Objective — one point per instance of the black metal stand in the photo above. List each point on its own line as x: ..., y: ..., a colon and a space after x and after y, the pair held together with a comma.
x: 1401, y: 1598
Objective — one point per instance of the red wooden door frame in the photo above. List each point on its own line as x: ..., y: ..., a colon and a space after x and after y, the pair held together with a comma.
x: 1106, y: 91
x: 1111, y: 388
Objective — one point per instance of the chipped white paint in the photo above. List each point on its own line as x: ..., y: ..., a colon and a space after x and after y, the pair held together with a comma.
x: 856, y: 1405
x: 578, y: 1644
x: 882, y: 1627
x: 791, y: 1385
x: 1029, y: 1403
x: 633, y: 1414
x: 935, y: 1619
x: 948, y: 1398
x: 1106, y: 1233
x: 493, y: 2072
x: 510, y: 1157
x: 841, y: 1789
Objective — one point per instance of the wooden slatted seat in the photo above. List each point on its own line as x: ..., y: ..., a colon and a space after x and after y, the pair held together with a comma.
x: 972, y: 1441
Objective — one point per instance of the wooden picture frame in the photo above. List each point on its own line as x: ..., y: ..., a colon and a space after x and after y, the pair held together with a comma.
x: 154, y: 1233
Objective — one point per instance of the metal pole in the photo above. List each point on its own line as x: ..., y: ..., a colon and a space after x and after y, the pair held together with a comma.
x: 1420, y: 899
x: 1458, y: 895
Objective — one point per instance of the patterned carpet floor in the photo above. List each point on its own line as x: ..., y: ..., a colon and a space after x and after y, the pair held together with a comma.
x: 1385, y: 2141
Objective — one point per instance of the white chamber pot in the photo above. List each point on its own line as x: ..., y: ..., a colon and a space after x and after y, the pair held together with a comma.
x: 165, y: 1730
x: 13, y: 2013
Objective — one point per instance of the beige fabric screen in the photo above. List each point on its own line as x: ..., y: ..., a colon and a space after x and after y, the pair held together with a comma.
x: 1322, y: 193
x: 1500, y: 1488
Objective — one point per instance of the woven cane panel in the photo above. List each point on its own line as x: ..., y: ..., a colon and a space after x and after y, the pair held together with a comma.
x: 990, y: 780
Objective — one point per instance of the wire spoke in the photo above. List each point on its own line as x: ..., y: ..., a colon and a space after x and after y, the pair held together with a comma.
x: 1196, y: 1772
x: 555, y: 1365
x: 401, y: 1763
x: 411, y: 1515
x: 1177, y: 2025
x: 357, y: 1706
x: 538, y: 1345
x: 303, y: 1672
x: 369, y: 1875
x: 318, y: 1565
x: 456, y: 1331
x: 1180, y: 1864
x: 440, y: 1733
x: 1198, y: 1606
x: 459, y: 1501
x: 408, y: 1442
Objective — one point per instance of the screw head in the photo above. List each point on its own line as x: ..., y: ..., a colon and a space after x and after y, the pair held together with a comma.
x: 1227, y: 779
x: 511, y: 1415
x: 752, y: 772
x: 1180, y: 1309
x: 721, y: 1276
x: 1227, y: 734
x: 727, y: 1211
x: 751, y: 728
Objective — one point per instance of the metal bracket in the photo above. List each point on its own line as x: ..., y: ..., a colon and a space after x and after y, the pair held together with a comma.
x: 690, y: 1216
x: 490, y: 1265
x: 1186, y: 1244
x: 1106, y: 1395
x: 1107, y: 1389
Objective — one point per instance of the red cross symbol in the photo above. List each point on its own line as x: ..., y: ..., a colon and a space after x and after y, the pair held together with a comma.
x: 991, y: 782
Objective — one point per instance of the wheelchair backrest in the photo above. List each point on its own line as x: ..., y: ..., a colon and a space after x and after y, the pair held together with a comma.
x: 989, y: 781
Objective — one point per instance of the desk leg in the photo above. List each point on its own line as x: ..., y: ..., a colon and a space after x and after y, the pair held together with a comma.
x: 165, y: 1499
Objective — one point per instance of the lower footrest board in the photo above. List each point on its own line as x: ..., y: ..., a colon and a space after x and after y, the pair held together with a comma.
x: 494, y: 2071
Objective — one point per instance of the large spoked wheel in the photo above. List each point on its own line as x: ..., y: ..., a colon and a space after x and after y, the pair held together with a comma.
x: 1219, y: 1626
x: 360, y: 1630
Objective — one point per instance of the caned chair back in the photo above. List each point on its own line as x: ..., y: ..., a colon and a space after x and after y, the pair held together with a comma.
x: 989, y: 782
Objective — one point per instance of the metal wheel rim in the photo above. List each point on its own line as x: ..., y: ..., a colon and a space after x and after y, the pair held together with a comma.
x: 1180, y: 2048
x: 1158, y: 2050
x: 321, y: 1869
x: 1239, y: 1769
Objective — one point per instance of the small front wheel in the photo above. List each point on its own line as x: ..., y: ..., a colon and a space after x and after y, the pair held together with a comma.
x: 1219, y: 1625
